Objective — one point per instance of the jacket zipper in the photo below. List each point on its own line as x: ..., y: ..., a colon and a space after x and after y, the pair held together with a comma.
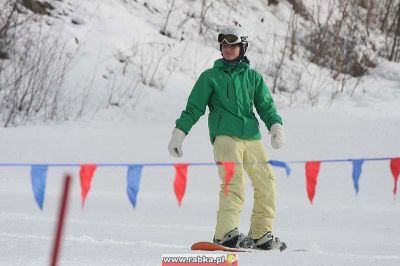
x: 227, y: 88
x: 219, y: 120
x: 227, y: 93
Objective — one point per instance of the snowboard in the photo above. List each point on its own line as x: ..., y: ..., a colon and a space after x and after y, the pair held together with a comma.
x: 209, y: 246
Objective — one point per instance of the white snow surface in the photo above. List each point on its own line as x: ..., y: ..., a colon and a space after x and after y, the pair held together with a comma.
x: 340, y: 228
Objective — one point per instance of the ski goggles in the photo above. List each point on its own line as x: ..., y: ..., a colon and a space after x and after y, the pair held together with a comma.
x: 228, y: 38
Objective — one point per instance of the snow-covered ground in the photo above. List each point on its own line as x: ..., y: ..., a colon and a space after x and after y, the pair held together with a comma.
x: 340, y: 228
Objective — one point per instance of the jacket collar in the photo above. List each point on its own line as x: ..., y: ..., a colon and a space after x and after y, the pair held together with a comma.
x: 232, y: 66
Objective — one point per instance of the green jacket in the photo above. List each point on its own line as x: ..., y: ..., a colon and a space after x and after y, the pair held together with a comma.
x: 230, y: 90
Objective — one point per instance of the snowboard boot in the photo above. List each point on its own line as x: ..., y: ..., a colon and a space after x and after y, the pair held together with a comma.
x: 230, y: 240
x: 266, y: 242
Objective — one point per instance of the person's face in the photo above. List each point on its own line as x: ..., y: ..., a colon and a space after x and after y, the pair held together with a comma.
x: 230, y: 51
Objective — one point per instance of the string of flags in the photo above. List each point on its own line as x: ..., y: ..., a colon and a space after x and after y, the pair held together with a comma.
x: 134, y: 173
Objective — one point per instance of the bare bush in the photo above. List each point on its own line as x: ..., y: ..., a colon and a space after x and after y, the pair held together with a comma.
x: 343, y: 42
x: 338, y: 42
x: 394, y: 29
x: 273, y: 2
x: 170, y: 8
x: 288, y: 46
x: 154, y: 63
x: 31, y: 78
x: 121, y: 88
x: 279, y: 64
x: 299, y: 8
x: 293, y: 29
x: 206, y: 5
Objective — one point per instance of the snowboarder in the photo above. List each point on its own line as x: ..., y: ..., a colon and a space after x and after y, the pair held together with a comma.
x: 231, y: 89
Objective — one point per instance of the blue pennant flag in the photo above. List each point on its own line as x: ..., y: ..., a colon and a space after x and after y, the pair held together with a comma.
x: 38, y: 177
x: 282, y: 165
x: 357, y: 164
x: 134, y: 174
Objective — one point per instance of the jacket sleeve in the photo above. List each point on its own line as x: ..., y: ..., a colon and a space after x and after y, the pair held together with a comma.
x: 265, y: 104
x: 196, y: 104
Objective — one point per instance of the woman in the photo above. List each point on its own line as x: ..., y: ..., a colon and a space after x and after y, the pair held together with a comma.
x: 230, y: 90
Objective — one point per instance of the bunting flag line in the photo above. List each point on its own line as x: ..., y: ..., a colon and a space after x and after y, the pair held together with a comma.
x: 357, y: 164
x: 395, y: 168
x: 39, y: 175
x: 312, y: 170
x: 86, y: 174
x: 38, y: 178
x: 133, y: 180
x: 281, y: 165
x: 180, y: 181
x: 229, y: 172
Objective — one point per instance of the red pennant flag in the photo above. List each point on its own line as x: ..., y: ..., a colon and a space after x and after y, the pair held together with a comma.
x: 395, y: 167
x: 229, y: 171
x: 312, y: 170
x: 86, y: 174
x: 180, y: 181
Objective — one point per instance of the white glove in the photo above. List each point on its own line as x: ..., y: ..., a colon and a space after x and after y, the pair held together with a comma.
x: 278, y: 138
x: 175, y: 144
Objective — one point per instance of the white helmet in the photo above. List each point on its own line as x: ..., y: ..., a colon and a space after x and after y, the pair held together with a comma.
x: 233, y: 35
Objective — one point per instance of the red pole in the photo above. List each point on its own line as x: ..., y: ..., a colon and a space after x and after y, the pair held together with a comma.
x: 61, y: 219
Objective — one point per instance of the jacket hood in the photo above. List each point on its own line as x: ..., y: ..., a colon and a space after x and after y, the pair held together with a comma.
x: 231, y: 66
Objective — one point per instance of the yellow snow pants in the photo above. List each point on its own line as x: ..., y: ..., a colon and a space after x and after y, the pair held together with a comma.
x: 250, y: 156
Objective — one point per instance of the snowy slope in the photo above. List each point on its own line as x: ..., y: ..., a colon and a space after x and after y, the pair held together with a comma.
x: 117, y: 53
x: 340, y: 228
